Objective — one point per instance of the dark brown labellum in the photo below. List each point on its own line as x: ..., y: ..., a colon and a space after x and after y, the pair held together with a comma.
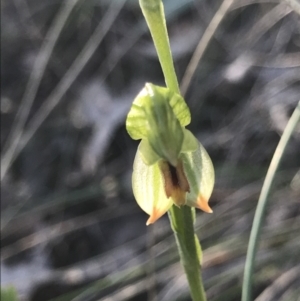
x: 175, y: 181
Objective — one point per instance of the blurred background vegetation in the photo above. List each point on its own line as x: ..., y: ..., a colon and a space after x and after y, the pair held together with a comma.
x: 70, y: 227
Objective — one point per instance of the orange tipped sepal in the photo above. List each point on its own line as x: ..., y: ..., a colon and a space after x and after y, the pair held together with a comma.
x: 202, y: 204
x: 155, y: 215
x: 148, y: 189
x: 200, y: 175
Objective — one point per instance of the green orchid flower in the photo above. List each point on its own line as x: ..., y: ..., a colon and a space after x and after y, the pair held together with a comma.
x: 171, y: 166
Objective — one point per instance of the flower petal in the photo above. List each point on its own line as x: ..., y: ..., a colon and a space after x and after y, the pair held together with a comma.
x: 200, y: 174
x: 148, y: 189
x: 165, y: 133
x: 159, y: 115
x: 190, y: 142
x: 147, y: 153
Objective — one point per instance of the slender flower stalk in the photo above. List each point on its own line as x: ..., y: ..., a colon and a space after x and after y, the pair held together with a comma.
x: 172, y: 171
x: 153, y: 12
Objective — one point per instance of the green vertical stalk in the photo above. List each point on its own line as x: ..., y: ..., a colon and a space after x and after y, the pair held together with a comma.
x: 182, y: 223
x: 181, y: 219
x: 153, y: 12
x: 262, y: 202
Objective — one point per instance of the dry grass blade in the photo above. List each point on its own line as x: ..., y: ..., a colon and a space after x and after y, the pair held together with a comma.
x: 52, y: 101
x: 202, y: 45
x: 265, y: 23
x: 33, y: 84
x: 60, y: 229
x: 280, y: 285
x: 295, y: 5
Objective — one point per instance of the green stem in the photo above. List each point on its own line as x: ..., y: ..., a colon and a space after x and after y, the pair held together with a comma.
x: 183, y: 226
x: 262, y: 202
x: 153, y: 12
x: 181, y: 219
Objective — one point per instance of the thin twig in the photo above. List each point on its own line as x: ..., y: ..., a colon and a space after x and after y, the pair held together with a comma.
x: 33, y: 84
x: 52, y: 101
x: 26, y: 20
x: 202, y: 45
x: 280, y: 285
x: 265, y: 23
x: 295, y: 5
x: 63, y: 228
